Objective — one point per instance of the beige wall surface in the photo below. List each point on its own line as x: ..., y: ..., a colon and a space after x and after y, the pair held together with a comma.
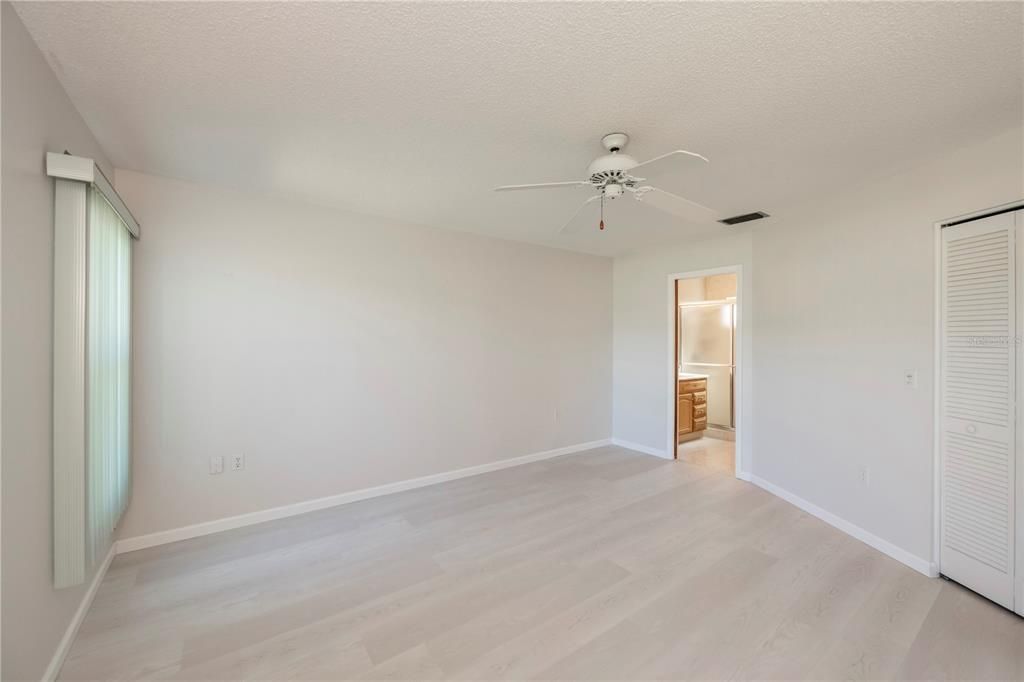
x: 720, y: 287
x: 38, y: 117
x: 644, y: 358
x: 841, y: 294
x: 339, y: 352
x: 844, y: 303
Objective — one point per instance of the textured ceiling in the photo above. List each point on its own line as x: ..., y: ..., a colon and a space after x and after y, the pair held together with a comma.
x: 416, y: 110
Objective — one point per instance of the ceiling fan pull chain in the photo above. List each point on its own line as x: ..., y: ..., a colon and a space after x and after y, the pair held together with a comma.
x: 602, y: 212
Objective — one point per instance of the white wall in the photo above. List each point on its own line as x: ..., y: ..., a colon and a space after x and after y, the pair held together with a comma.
x: 339, y: 352
x: 37, y: 117
x: 843, y: 303
x: 643, y: 319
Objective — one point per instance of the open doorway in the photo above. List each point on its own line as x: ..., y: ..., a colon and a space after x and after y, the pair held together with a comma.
x: 706, y: 314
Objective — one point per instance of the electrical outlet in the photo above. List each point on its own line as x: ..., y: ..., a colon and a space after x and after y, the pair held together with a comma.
x: 237, y: 462
x: 910, y: 378
x: 217, y: 464
x: 865, y: 475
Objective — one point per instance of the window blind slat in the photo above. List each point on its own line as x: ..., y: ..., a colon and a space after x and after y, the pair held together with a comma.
x: 108, y: 362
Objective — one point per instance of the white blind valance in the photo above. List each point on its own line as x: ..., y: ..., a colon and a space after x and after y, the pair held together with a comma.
x: 69, y: 167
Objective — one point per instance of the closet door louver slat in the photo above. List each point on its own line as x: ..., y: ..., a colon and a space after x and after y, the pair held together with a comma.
x: 977, y: 430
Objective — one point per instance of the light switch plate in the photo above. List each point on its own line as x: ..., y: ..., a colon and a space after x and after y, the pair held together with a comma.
x: 217, y: 464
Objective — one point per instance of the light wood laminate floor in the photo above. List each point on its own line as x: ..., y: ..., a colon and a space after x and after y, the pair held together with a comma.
x: 606, y: 564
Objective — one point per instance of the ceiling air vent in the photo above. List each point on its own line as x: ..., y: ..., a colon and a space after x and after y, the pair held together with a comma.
x: 745, y: 218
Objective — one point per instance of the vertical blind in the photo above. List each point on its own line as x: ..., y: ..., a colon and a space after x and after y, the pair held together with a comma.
x: 108, y: 380
x: 92, y: 274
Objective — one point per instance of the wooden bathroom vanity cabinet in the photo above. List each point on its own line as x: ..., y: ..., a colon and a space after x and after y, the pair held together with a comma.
x: 692, y: 408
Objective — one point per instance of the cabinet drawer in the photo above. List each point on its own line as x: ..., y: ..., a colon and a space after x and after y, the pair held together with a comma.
x: 692, y: 385
x: 700, y: 411
x: 699, y: 398
x: 700, y: 424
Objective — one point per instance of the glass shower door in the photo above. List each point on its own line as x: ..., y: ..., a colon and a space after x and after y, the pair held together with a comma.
x: 707, y: 346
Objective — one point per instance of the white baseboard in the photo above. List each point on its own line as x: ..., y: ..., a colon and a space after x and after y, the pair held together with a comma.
x: 231, y: 522
x: 884, y: 546
x: 53, y: 670
x: 641, y: 448
x: 163, y: 537
x: 196, y: 530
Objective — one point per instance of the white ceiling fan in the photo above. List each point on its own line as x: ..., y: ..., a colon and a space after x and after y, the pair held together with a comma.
x: 614, y: 174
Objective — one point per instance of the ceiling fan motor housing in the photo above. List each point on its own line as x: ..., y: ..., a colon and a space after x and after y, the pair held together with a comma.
x: 611, y: 167
x: 611, y: 163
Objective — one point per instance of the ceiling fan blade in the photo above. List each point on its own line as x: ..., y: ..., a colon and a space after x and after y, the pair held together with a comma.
x: 678, y: 206
x: 676, y: 153
x: 585, y: 203
x: 543, y: 185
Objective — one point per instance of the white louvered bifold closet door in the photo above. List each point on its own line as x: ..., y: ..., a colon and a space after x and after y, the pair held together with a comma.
x: 977, y: 427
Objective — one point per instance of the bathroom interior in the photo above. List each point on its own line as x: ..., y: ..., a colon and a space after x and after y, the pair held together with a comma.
x: 706, y: 368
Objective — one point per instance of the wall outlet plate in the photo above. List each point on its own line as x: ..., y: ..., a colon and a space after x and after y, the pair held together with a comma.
x: 217, y: 464
x: 237, y: 462
x: 910, y: 378
x: 865, y: 475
